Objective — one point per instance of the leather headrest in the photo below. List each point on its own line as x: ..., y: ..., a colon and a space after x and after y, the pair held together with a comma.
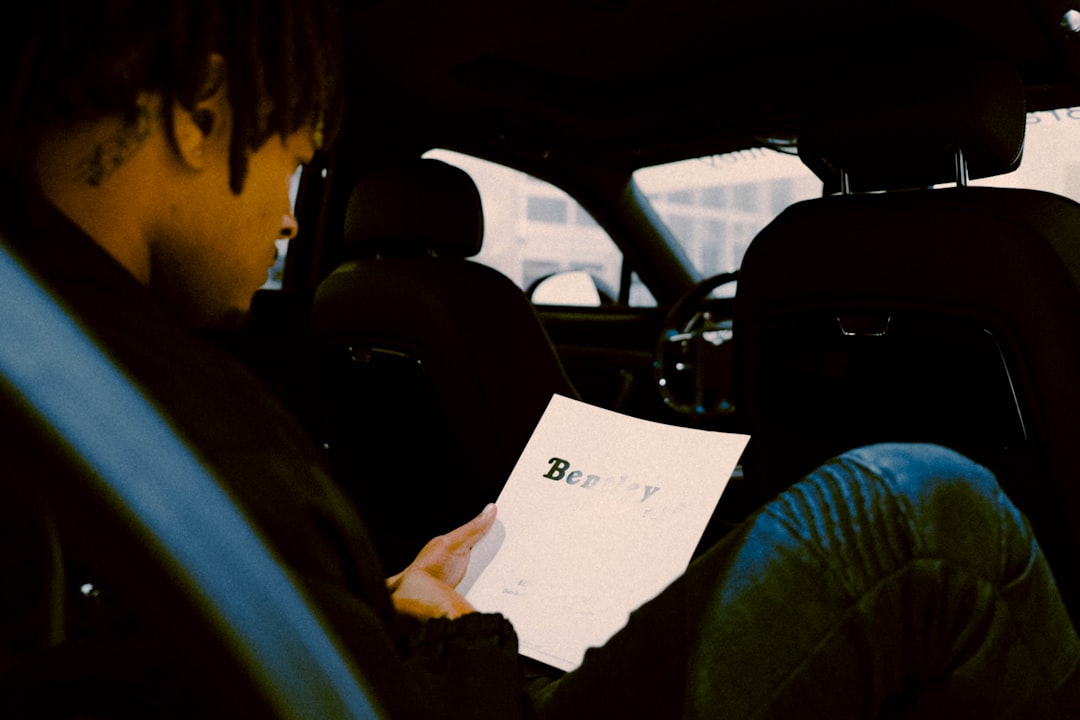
x: 422, y: 206
x: 898, y: 125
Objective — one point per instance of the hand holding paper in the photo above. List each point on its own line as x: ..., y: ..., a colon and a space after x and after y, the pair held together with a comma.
x: 601, y: 513
x: 425, y: 589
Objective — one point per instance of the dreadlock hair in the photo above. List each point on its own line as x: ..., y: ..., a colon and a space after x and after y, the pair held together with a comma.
x: 79, y: 60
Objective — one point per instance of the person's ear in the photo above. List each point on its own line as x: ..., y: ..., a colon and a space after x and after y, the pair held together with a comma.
x: 197, y: 129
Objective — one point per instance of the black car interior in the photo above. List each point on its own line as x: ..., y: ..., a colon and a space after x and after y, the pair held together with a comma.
x: 889, y: 309
x: 895, y: 311
x: 886, y: 310
x: 438, y: 363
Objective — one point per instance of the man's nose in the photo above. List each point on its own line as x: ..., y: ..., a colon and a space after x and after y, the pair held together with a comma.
x: 289, y: 226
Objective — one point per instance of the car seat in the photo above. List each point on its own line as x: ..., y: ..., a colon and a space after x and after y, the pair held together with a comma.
x: 431, y: 370
x: 897, y: 311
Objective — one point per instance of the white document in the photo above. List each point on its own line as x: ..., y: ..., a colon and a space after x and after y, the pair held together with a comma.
x: 601, y: 513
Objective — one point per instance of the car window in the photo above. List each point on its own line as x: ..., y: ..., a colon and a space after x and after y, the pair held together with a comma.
x: 1051, y: 160
x: 714, y: 206
x: 533, y: 230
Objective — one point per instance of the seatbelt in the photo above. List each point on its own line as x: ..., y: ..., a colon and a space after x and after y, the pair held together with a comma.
x: 212, y: 551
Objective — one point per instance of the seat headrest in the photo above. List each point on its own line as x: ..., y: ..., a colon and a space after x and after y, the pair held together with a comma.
x: 898, y: 125
x: 422, y: 206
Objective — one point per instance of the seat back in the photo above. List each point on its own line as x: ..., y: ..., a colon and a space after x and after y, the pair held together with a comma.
x: 432, y: 370
x: 948, y: 315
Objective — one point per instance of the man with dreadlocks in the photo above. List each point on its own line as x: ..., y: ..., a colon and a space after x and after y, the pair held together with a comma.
x: 147, y: 147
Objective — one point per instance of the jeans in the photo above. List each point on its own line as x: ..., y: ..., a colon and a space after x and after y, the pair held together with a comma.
x: 895, y: 581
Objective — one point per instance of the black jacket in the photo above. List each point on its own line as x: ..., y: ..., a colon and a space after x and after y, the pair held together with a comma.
x: 465, y: 668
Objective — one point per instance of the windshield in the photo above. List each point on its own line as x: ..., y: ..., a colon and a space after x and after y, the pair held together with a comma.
x: 714, y: 206
x: 1051, y: 159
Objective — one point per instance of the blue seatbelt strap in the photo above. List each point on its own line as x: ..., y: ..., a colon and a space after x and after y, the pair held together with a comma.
x: 143, y: 467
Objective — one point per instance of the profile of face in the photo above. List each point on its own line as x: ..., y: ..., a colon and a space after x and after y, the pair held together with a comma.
x: 218, y: 246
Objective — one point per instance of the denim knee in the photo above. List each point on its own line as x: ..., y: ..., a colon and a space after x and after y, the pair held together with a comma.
x: 888, y: 570
x: 954, y: 508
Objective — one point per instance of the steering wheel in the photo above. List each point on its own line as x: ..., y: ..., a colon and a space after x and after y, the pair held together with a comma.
x: 693, y: 362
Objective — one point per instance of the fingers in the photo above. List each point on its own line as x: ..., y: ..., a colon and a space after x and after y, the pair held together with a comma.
x: 471, y: 532
x: 440, y: 551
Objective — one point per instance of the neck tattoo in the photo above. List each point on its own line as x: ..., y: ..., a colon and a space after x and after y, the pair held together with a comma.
x: 109, y: 155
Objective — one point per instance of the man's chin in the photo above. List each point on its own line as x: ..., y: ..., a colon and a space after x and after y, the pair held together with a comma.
x: 217, y: 318
x: 234, y: 319
x: 213, y: 305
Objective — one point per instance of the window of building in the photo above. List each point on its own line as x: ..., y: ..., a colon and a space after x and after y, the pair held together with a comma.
x: 715, y: 196
x: 746, y: 196
x: 781, y: 194
x: 682, y: 226
x: 714, y: 246
x: 546, y: 209
x: 681, y: 197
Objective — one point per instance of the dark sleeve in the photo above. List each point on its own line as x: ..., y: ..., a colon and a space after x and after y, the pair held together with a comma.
x: 32, y: 580
x: 468, y: 668
x: 465, y: 669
